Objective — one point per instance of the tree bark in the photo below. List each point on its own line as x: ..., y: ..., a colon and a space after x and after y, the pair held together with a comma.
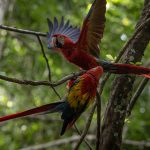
x: 3, y: 9
x: 114, y: 118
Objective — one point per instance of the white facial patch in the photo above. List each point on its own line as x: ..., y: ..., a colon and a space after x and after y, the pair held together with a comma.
x: 53, y: 43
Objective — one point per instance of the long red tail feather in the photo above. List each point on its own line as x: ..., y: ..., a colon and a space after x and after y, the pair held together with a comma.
x: 130, y: 69
x: 41, y: 109
x: 146, y: 75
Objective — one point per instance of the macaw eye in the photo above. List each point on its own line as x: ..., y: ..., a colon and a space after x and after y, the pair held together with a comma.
x: 59, y: 42
x: 61, y: 39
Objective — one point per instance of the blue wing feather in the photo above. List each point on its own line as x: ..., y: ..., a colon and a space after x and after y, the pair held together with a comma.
x: 64, y: 28
x: 50, y: 25
x: 61, y: 24
x: 55, y: 24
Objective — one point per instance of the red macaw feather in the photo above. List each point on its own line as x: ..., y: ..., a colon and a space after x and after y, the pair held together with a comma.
x: 130, y: 69
x: 38, y: 110
x: 81, y: 93
x: 83, y: 53
x: 93, y: 28
x: 64, y: 29
x: 117, y: 68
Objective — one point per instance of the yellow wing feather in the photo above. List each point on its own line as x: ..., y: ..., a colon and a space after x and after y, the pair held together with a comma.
x: 76, y: 97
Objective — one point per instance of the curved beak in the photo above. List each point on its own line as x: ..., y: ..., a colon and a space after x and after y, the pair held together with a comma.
x: 50, y: 45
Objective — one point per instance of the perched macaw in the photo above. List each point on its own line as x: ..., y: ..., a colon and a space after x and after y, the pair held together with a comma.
x: 82, y: 47
x: 80, y: 95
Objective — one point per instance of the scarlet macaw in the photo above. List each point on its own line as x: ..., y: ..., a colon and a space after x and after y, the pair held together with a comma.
x: 82, y: 47
x: 80, y: 95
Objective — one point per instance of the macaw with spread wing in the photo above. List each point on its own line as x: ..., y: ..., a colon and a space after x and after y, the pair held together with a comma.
x: 80, y: 95
x: 82, y: 47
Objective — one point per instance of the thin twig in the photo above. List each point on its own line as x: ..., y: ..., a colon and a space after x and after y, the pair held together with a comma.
x: 75, y: 138
x: 14, y: 29
x: 136, y: 96
x: 86, y: 142
x: 98, y: 135
x: 48, y: 66
x: 46, y: 59
x: 57, y: 142
x: 88, y: 122
x: 137, y: 143
x: 38, y: 83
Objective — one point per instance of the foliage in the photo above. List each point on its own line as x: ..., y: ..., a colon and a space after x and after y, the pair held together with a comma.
x: 22, y: 58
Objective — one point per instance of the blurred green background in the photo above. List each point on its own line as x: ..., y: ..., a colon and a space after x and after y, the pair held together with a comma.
x: 21, y: 58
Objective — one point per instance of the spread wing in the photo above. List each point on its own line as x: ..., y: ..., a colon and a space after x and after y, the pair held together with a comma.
x: 62, y: 28
x: 93, y: 28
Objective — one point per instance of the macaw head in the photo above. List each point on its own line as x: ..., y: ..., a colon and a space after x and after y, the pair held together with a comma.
x: 62, y: 34
x: 59, y: 41
x: 96, y: 72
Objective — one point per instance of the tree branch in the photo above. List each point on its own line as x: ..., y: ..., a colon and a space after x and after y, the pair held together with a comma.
x: 75, y: 138
x: 136, y: 96
x: 88, y: 122
x: 14, y: 29
x: 58, y: 142
x: 48, y: 67
x: 46, y: 59
x: 38, y: 83
x: 98, y: 135
x: 122, y: 86
x: 86, y: 142
x: 137, y: 143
